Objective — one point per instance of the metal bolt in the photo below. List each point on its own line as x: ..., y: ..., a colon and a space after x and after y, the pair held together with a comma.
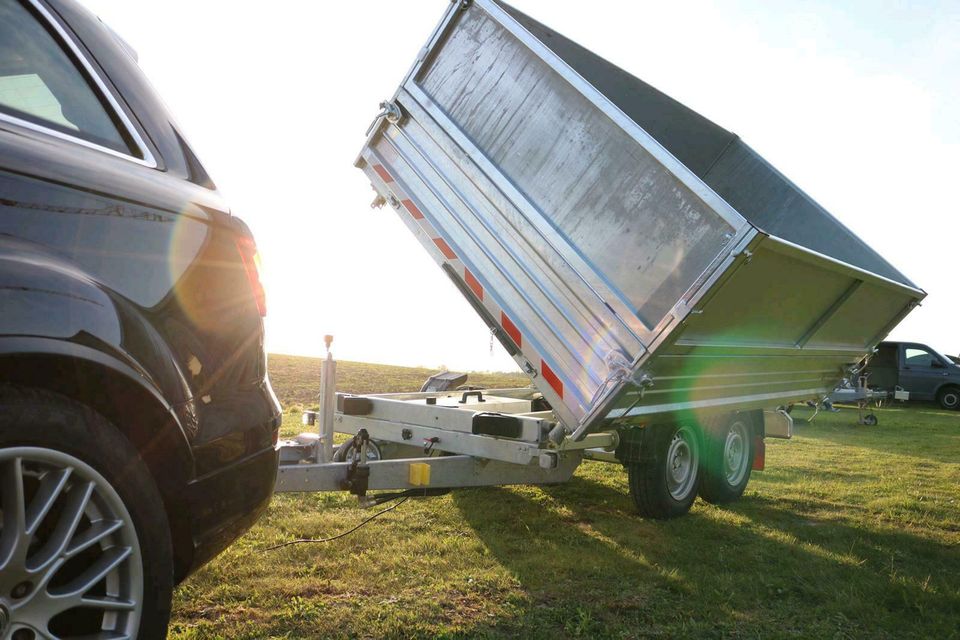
x: 21, y: 590
x: 4, y: 619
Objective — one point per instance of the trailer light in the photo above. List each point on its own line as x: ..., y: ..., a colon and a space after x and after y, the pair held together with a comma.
x: 251, y: 264
x: 759, y: 453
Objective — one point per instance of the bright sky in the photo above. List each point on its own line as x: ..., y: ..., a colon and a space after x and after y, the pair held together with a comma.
x: 856, y: 104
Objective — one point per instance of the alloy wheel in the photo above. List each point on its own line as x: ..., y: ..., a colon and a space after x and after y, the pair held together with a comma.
x: 70, y: 561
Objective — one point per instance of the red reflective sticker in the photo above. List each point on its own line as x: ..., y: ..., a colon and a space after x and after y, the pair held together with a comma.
x: 445, y: 249
x: 473, y: 283
x: 412, y: 208
x: 383, y: 173
x: 551, y: 378
x: 511, y: 329
x: 759, y: 453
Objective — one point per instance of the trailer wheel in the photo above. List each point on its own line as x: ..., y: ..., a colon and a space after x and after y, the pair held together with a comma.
x: 664, y: 484
x: 949, y: 398
x: 727, y: 459
x: 344, y: 452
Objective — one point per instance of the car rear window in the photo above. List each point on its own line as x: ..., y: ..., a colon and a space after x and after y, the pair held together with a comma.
x: 42, y: 84
x: 886, y: 356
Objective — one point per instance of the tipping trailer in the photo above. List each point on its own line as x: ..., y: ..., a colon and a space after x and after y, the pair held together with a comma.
x: 666, y: 289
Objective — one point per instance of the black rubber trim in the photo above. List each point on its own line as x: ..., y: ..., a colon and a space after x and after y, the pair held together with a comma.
x: 353, y: 405
x: 495, y: 424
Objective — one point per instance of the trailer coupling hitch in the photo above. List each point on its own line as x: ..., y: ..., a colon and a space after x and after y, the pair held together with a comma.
x: 358, y: 473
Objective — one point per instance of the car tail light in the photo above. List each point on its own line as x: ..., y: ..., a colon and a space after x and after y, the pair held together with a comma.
x: 251, y: 264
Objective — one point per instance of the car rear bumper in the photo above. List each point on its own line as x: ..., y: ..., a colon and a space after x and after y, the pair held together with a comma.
x: 226, y: 503
x: 235, y: 466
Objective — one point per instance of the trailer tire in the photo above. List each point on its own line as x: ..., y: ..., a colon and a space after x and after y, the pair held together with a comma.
x: 664, y: 484
x: 949, y: 398
x: 344, y: 453
x: 727, y: 458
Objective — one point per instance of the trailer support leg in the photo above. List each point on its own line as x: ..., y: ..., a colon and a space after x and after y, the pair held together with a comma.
x: 328, y: 403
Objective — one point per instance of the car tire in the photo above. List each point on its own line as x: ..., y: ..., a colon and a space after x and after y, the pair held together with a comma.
x: 83, y: 524
x: 727, y: 458
x: 664, y: 484
x: 949, y: 398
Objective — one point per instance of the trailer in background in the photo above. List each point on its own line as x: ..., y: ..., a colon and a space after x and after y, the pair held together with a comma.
x: 665, y: 288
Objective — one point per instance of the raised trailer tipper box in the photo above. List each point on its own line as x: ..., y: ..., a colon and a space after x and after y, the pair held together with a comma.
x: 667, y: 290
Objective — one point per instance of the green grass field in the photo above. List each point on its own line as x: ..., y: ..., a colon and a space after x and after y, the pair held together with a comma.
x: 851, y: 532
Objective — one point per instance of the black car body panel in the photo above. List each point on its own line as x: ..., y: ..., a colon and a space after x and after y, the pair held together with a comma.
x: 122, y: 285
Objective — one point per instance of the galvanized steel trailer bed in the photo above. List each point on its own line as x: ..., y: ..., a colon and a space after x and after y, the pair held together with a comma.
x: 643, y: 265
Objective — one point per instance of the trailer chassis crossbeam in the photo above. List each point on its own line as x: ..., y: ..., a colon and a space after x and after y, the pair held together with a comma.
x: 461, y: 448
x: 444, y: 472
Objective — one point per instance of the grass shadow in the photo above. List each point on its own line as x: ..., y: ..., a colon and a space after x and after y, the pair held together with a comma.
x: 564, y: 567
x: 745, y: 570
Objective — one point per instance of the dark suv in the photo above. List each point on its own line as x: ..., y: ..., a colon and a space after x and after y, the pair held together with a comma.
x: 137, y: 424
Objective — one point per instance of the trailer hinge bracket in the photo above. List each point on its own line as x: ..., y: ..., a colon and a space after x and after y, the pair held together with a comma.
x: 389, y: 111
x: 620, y: 370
